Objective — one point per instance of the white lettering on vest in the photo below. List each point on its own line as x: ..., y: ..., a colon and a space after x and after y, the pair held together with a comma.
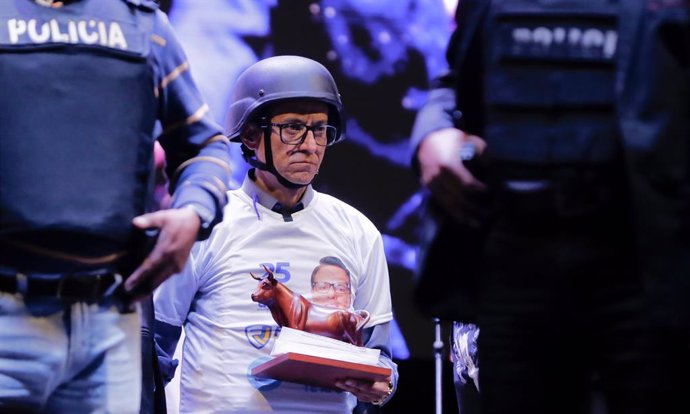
x: 35, y: 36
x: 15, y: 28
x: 108, y: 34
x: 87, y: 37
x: 102, y: 34
x: 116, y: 39
x: 72, y: 29
x: 588, y: 40
x: 58, y: 37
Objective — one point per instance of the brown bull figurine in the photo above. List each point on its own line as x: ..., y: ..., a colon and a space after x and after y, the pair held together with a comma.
x: 295, y: 311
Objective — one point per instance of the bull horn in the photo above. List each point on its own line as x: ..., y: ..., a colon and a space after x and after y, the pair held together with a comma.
x: 268, y: 271
x: 255, y: 277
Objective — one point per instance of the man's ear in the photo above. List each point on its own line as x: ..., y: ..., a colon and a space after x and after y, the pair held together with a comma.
x: 251, y: 135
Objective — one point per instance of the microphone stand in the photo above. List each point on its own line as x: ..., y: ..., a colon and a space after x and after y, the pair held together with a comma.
x: 438, y: 359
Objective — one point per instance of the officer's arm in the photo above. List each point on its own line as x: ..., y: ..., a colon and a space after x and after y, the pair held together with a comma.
x: 436, y: 114
x: 197, y: 165
x: 441, y: 111
x: 197, y: 153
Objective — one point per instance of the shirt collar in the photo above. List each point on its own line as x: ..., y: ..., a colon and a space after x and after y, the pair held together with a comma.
x: 261, y: 197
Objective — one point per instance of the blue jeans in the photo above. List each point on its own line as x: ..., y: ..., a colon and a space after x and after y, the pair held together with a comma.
x: 79, y: 358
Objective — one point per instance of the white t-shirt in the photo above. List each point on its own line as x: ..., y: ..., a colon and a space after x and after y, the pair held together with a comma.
x: 227, y: 334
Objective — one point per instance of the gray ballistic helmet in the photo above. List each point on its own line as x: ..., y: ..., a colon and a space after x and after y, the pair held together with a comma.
x: 282, y: 78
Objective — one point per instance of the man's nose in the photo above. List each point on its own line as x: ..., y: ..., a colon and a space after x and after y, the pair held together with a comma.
x: 309, y: 142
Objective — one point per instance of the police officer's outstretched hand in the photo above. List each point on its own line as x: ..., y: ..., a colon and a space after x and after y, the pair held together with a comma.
x: 178, y: 229
x: 458, y: 192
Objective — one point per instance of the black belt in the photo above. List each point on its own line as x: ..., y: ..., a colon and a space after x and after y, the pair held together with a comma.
x: 89, y: 287
x: 565, y: 192
x: 552, y: 199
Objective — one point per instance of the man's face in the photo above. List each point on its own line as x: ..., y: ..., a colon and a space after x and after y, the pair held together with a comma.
x: 331, y: 287
x: 301, y: 162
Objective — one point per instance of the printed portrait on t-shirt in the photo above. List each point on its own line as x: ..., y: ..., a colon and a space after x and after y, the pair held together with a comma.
x: 330, y: 284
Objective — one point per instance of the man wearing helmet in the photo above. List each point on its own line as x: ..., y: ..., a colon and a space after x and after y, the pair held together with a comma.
x: 286, y: 111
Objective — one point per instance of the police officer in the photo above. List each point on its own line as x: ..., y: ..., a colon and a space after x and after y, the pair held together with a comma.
x: 85, y: 86
x: 575, y: 206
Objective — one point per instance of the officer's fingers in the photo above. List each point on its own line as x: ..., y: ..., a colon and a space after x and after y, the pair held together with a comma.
x: 469, y: 181
x: 440, y: 148
x: 458, y: 179
x: 154, y: 278
x: 137, y: 276
x: 432, y: 172
x: 148, y: 265
x: 468, y: 207
x: 442, y: 179
x: 440, y: 145
x: 152, y: 272
x: 173, y: 246
x: 149, y: 220
x: 479, y: 143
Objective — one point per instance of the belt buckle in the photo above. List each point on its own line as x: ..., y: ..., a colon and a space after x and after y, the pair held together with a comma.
x: 76, y: 288
x: 87, y: 287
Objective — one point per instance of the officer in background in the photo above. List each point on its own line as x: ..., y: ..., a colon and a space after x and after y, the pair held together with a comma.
x: 85, y: 83
x: 565, y: 233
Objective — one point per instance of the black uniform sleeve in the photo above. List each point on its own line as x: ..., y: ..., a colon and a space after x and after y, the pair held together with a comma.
x: 464, y: 57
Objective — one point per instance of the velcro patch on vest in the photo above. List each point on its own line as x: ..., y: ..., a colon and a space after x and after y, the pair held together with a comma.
x: 120, y: 36
x: 532, y: 41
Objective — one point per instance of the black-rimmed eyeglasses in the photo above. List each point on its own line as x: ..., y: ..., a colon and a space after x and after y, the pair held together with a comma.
x: 294, y: 133
x: 323, y: 287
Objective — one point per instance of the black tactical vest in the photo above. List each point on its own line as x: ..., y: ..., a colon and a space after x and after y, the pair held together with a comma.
x: 549, y: 82
x: 77, y: 114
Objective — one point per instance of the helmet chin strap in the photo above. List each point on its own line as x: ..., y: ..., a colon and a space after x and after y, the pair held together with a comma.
x: 268, y: 165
